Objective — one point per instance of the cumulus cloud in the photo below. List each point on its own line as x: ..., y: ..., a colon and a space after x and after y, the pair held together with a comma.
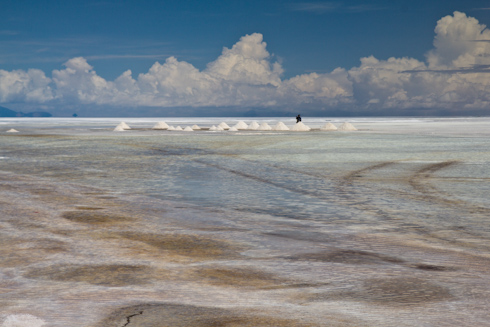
x: 454, y: 75
x: 20, y: 85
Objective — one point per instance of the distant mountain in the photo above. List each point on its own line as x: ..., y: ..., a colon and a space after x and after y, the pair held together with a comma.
x: 5, y: 112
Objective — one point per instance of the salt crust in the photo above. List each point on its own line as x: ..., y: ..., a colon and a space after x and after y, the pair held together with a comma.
x: 347, y: 127
x: 23, y: 320
x: 328, y: 127
x: 160, y: 125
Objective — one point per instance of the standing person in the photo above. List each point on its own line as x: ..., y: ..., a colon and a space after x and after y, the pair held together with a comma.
x: 298, y: 118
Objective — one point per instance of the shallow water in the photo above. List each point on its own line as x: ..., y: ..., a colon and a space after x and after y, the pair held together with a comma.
x: 384, y: 226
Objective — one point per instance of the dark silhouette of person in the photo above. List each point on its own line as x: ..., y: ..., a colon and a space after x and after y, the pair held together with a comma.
x: 298, y: 119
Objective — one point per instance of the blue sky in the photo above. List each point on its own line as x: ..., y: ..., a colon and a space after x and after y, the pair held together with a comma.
x: 232, y: 57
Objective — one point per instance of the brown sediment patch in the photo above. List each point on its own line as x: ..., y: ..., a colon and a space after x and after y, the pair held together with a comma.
x: 89, y: 208
x: 17, y: 252
x: 239, y: 277
x: 177, y: 315
x: 403, y: 291
x: 394, y: 292
x: 111, y: 275
x: 301, y: 235
x: 424, y: 266
x: 194, y: 246
x: 95, y: 217
x: 348, y: 257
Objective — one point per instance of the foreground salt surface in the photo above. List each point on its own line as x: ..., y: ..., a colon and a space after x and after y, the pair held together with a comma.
x: 376, y: 228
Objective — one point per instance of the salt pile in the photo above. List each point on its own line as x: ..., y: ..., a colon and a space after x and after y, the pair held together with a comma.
x: 171, y: 128
x: 195, y: 127
x: 233, y: 129
x: 178, y: 128
x: 241, y: 125
x: 213, y: 128
x: 23, y: 320
x: 124, y: 125
x: 328, y: 127
x: 160, y: 125
x: 224, y: 125
x: 12, y: 130
x: 119, y: 128
x: 264, y: 127
x: 219, y: 128
x: 280, y: 127
x: 188, y: 129
x: 254, y: 125
x: 347, y: 127
x: 300, y: 127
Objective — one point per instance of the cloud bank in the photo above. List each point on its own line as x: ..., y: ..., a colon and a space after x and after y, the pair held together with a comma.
x: 454, y: 76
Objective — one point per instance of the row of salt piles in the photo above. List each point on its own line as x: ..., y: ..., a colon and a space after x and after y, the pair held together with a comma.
x: 241, y: 125
x: 163, y: 125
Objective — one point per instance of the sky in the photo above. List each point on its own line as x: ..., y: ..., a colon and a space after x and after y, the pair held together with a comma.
x: 234, y: 58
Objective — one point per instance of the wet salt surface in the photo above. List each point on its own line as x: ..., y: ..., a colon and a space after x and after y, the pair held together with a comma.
x: 379, y: 227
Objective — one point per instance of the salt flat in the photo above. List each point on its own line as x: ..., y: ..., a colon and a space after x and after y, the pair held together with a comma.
x: 384, y: 226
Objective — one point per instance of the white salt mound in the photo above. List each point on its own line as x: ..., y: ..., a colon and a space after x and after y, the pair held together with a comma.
x: 328, y: 127
x: 124, y: 125
x: 188, y: 129
x: 195, y: 127
x: 233, y: 129
x: 300, y: 127
x: 280, y: 127
x: 212, y: 128
x: 178, y: 128
x: 264, y: 127
x: 241, y: 125
x: 220, y: 128
x: 254, y: 125
x: 119, y: 128
x: 171, y: 128
x: 23, y: 320
x: 12, y: 130
x: 160, y: 125
x: 224, y: 125
x: 347, y: 127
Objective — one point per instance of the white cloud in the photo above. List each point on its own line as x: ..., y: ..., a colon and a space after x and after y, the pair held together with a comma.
x: 455, y: 75
x: 20, y: 85
x: 456, y: 42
